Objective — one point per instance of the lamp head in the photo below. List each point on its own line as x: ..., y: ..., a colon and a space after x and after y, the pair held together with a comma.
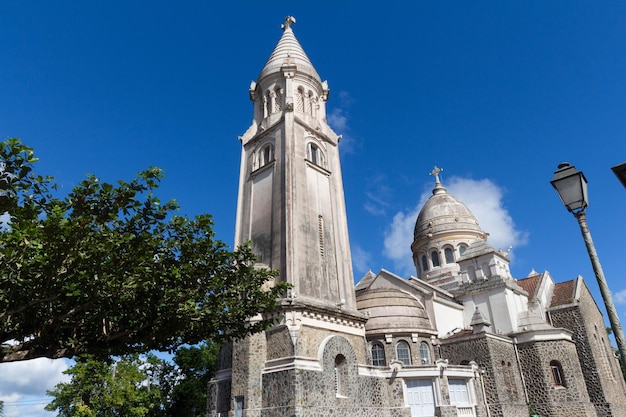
x: 571, y: 185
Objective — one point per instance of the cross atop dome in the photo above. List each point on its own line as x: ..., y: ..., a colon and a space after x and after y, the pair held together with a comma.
x: 289, y: 20
x: 436, y: 171
x: 438, y: 187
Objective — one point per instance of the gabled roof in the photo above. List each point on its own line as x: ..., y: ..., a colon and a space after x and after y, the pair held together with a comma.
x: 366, y: 281
x: 530, y: 284
x: 289, y: 51
x: 564, y: 293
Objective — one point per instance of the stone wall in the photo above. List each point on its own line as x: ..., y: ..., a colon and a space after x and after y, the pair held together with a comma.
x: 501, y: 375
x: 604, y: 381
x: 546, y: 396
x: 304, y: 392
x: 309, y: 393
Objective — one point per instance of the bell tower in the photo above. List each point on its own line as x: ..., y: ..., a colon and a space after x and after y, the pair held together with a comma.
x: 291, y: 208
x: 291, y: 202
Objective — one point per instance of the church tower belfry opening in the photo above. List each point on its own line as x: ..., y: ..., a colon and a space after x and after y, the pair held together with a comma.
x: 291, y: 204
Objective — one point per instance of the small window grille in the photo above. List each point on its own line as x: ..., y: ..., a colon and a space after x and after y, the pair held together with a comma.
x: 300, y: 100
x: 340, y: 375
x: 557, y: 374
x: 278, y: 100
x: 309, y: 103
x: 320, y: 231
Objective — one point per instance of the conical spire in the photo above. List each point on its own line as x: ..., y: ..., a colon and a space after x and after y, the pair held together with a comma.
x: 289, y: 52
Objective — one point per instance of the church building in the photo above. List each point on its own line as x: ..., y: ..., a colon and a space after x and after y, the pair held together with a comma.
x: 462, y: 338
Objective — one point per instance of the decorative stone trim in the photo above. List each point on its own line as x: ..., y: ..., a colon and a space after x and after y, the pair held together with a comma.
x: 292, y: 362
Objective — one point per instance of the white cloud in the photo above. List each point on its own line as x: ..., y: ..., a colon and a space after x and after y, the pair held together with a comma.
x: 378, y: 195
x: 620, y: 297
x: 338, y: 119
x: 482, y: 197
x: 398, y: 239
x: 23, y: 385
x: 360, y: 259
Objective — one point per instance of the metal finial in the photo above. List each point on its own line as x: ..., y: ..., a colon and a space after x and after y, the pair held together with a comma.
x: 289, y: 20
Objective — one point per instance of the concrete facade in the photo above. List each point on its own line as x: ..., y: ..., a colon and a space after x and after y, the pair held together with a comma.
x: 463, y: 338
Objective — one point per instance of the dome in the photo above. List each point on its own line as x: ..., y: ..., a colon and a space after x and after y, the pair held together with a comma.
x: 392, y: 311
x: 444, y: 213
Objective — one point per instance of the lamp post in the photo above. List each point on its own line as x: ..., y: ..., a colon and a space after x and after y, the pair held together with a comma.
x: 571, y: 185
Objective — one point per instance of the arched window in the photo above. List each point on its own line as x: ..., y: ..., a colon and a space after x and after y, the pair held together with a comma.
x: 340, y: 375
x: 300, y: 99
x: 557, y: 374
x: 315, y: 155
x: 403, y: 353
x: 267, y: 104
x: 424, y: 263
x: 266, y: 155
x: 309, y: 103
x: 424, y: 353
x: 462, y: 249
x: 378, y: 355
x: 434, y: 256
x: 278, y: 99
x: 449, y: 255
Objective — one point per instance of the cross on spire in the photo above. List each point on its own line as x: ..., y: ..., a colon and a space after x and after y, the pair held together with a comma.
x: 436, y: 171
x: 289, y: 20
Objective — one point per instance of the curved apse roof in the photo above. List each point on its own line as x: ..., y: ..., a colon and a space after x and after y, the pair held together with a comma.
x: 392, y: 311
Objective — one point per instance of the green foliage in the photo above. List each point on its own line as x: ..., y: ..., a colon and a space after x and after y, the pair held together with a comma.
x: 110, y: 270
x: 196, y: 366
x: 98, y: 389
x: 138, y: 386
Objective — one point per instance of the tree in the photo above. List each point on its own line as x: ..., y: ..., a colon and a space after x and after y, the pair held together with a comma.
x: 138, y: 386
x: 196, y: 366
x: 109, y: 270
x: 99, y: 389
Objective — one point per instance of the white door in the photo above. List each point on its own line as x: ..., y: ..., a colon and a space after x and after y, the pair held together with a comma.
x: 420, y: 397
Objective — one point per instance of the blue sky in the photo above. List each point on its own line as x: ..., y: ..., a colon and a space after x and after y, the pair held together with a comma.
x: 496, y: 93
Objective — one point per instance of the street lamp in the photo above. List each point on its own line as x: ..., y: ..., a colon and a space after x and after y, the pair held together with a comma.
x: 620, y: 173
x: 572, y: 188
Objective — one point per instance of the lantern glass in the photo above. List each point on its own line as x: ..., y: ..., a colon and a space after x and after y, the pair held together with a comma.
x: 571, y: 185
